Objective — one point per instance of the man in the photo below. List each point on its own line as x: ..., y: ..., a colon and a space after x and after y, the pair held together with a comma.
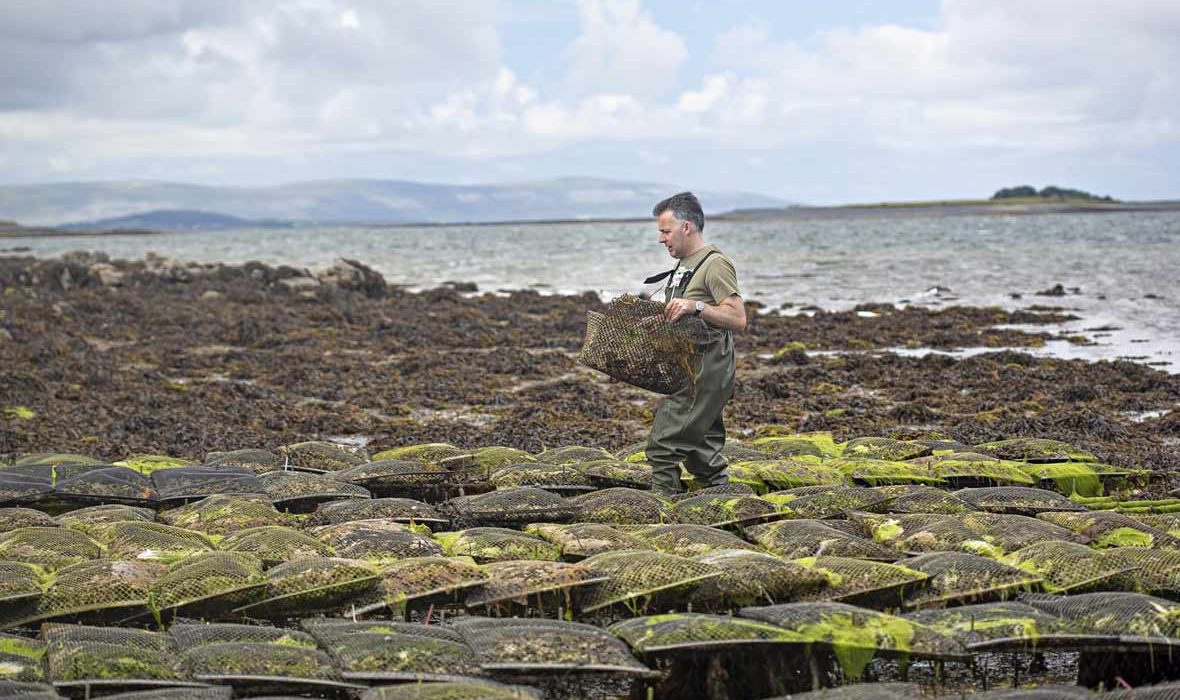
x: 688, y: 425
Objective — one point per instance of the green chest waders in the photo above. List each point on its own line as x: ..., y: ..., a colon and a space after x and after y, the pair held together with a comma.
x: 688, y: 427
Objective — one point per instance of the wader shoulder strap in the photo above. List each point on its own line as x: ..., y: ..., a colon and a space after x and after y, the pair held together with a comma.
x: 683, y: 280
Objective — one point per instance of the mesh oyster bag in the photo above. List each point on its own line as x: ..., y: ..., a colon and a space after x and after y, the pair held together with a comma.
x: 795, y: 472
x: 622, y: 506
x: 92, y: 518
x: 222, y: 515
x: 530, y: 645
x: 106, y: 485
x: 1003, y: 626
x: 275, y: 544
x: 512, y: 507
x: 1069, y: 567
x: 376, y: 540
x: 1153, y: 571
x: 1017, y: 500
x: 662, y: 634
x: 1078, y: 478
x: 881, y: 472
x: 369, y: 651
x: 753, y: 578
x: 1107, y: 529
x: 99, y: 591
x: 535, y: 584
x: 186, y: 693
x: 16, y: 517
x: 185, y: 484
x: 827, y: 501
x: 971, y: 469
x: 19, y: 487
x: 885, y: 448
x: 922, y: 499
x: 301, y: 492
x: 1012, y: 532
x: 396, y: 477
x: 19, y: 583
x: 690, y: 540
x: 957, y: 578
x: 312, y: 585
x: 916, y: 533
x: 640, y: 579
x: 470, y: 689
x: 207, y: 585
x: 560, y: 478
x: 630, y: 341
x: 320, y: 456
x: 151, y: 541
x: 572, y: 454
x: 78, y: 657
x: 580, y: 540
x: 49, y: 547
x: 255, y: 659
x: 250, y: 459
x: 796, y: 539
x: 1034, y: 450
x: 399, y: 510
x: 872, y: 584
x: 422, y: 580
x: 21, y: 660
x: 609, y: 473
x: 721, y: 510
x: 856, y: 635
x: 488, y: 544
x: 1127, y: 615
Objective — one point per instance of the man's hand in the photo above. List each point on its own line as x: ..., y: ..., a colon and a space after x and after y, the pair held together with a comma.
x: 679, y: 307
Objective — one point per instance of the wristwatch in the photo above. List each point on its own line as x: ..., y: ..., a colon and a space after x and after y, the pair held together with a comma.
x: 699, y: 308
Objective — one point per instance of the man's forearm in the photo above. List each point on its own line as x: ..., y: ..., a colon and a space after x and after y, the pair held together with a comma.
x: 725, y: 316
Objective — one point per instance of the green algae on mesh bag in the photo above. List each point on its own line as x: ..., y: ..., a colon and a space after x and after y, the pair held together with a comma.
x: 974, y: 469
x: 884, y: 448
x: 697, y: 631
x: 1035, y: 450
x: 792, y: 472
x: 146, y: 464
x: 488, y: 544
x: 879, y: 472
x: 581, y: 540
x: 424, y: 452
x: 790, y: 444
x: 1069, y: 567
x: 320, y: 456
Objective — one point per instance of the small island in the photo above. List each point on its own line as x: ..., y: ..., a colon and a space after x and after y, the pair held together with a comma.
x: 1048, y: 193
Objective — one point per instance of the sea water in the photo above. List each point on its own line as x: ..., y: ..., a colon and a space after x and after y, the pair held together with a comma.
x: 1119, y: 269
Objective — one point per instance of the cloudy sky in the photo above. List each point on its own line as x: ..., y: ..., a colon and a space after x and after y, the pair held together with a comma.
x: 849, y: 101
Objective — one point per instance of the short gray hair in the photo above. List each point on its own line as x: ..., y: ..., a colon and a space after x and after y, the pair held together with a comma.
x: 684, y: 206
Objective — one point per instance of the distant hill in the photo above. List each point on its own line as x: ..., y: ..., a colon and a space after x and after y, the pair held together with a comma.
x: 177, y: 206
x: 171, y: 220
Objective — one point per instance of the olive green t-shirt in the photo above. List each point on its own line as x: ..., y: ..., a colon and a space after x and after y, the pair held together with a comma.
x: 713, y: 283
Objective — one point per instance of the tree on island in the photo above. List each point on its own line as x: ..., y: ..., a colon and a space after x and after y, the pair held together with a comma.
x: 1048, y: 192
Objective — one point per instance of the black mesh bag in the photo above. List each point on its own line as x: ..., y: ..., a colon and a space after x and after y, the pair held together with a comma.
x: 580, y: 540
x: 639, y: 580
x: 48, y: 547
x: 971, y: 469
x: 795, y: 539
x: 917, y: 533
x: 910, y: 498
x: 622, y: 506
x: 885, y: 448
x: 856, y: 635
x: 411, y: 583
x: 510, y: 508
x: 108, y: 485
x: 93, y: 518
x: 753, y: 578
x: 572, y: 454
x: 99, y: 592
x: 207, y: 586
x: 720, y: 510
x: 373, y: 651
x: 16, y: 517
x: 399, y: 510
x: 185, y: 484
x: 257, y: 461
x: 676, y: 632
x: 632, y: 342
x: 313, y: 585
x: 541, y: 587
x: 21, y: 660
x: 531, y: 646
x: 1108, y: 529
x: 488, y: 544
x: 1034, y: 450
x: 376, y: 540
x: 690, y: 540
x: 957, y: 578
x: 151, y: 541
x: 1130, y: 616
x: 796, y: 472
x: 1017, y: 500
x: 224, y: 515
x: 1069, y: 567
x: 275, y: 544
x: 18, y: 487
x: 301, y: 492
x: 396, y: 477
x: 470, y: 689
x: 1152, y: 571
x: 872, y: 584
x: 827, y: 501
x: 1004, y: 626
x: 562, y: 479
x: 320, y: 456
x: 612, y: 473
x: 80, y: 657
x: 1012, y: 532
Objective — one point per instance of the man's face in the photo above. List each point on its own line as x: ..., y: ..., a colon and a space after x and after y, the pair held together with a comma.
x: 673, y: 233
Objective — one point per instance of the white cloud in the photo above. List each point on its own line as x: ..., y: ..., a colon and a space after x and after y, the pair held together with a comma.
x: 622, y: 50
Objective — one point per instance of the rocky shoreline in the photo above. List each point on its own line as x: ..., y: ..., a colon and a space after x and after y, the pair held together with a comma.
x: 111, y: 358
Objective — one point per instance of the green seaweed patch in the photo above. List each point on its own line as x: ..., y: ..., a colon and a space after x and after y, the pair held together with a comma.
x: 1123, y: 537
x: 19, y: 413
x: 25, y: 648
x: 146, y: 464
x: 855, y: 642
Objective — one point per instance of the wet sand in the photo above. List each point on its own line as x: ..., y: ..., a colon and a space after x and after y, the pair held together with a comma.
x: 112, y: 358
